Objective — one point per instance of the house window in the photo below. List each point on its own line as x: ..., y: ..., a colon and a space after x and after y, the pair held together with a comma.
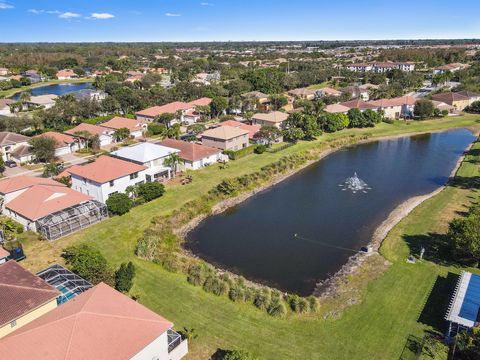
x: 112, y: 182
x: 13, y: 323
x: 133, y: 176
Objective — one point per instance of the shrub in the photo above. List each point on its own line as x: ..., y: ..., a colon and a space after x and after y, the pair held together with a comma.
x: 237, y: 355
x: 119, y: 203
x: 262, y: 299
x: 313, y: 303
x: 236, y: 293
x: 297, y: 303
x: 227, y: 187
x: 151, y: 190
x: 215, y: 285
x: 88, y: 263
x: 277, y: 308
x: 234, y: 155
x: 124, y: 277
x: 260, y: 149
x: 196, y: 275
x: 388, y: 121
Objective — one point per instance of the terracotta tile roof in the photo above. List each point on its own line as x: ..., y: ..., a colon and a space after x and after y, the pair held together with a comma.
x: 358, y: 104
x: 41, y: 200
x: 274, y: 116
x: 200, y: 102
x: 10, y: 138
x: 16, y: 183
x: 167, y: 108
x: 60, y: 139
x: 119, y: 122
x: 224, y: 133
x: 5, y: 102
x: 91, y: 129
x: 21, y: 292
x: 449, y: 97
x: 21, y: 151
x: 66, y: 73
x: 190, y: 151
x: 336, y: 108
x: 105, y: 169
x: 301, y: 92
x: 100, y: 323
x: 398, y: 101
x: 3, y: 253
x: 66, y: 172
x: 252, y: 129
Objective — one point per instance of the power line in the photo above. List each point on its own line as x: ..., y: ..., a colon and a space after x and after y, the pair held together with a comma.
x: 324, y: 243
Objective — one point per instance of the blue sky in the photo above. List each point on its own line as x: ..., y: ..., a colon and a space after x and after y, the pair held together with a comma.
x: 221, y: 20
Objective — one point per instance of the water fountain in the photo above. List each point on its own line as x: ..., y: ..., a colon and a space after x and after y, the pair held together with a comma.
x: 355, y: 184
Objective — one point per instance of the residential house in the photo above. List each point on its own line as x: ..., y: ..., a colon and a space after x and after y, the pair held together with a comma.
x: 327, y: 91
x: 225, y: 138
x: 252, y: 129
x: 454, y: 67
x: 381, y: 67
x: 4, y: 255
x: 100, y: 323
x: 136, y: 127
x: 302, y: 93
x: 11, y: 145
x: 336, y: 108
x: 396, y: 108
x: 64, y: 144
x: 260, y: 100
x: 149, y: 155
x: 105, y: 176
x: 41, y: 101
x: 356, y: 92
x: 442, y: 106
x: 206, y: 78
x: 457, y: 100
x: 33, y: 76
x: 66, y: 75
x: 84, y: 130
x: 90, y: 94
x: 5, y: 106
x: 360, y: 67
x: 24, y: 297
x: 3, y: 71
x: 472, y: 97
x: 359, y: 104
x: 274, y: 118
x: 194, y: 156
x: 176, y: 107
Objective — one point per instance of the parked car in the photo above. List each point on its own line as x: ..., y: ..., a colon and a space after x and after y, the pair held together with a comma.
x: 10, y: 164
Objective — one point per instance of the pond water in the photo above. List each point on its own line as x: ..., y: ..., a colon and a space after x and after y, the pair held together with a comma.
x: 305, y: 228
x: 56, y: 89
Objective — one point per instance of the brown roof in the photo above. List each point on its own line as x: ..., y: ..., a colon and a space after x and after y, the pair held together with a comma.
x: 398, y: 101
x: 16, y: 183
x: 20, y: 151
x: 469, y: 94
x: 66, y: 73
x: 5, y: 102
x: 10, y: 138
x: 190, y: 151
x: 301, y: 92
x: 449, y: 97
x: 224, y: 132
x: 41, y: 200
x: 252, y: 129
x: 100, y: 323
x: 273, y: 116
x: 91, y: 129
x: 21, y: 292
x: 167, y: 108
x: 200, y: 102
x: 120, y: 122
x: 336, y: 108
x: 358, y: 104
x: 255, y: 94
x: 106, y: 168
x: 60, y: 139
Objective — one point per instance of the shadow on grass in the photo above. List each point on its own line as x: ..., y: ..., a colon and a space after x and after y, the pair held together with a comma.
x: 465, y: 182
x: 437, y: 247
x: 219, y: 354
x: 436, y: 306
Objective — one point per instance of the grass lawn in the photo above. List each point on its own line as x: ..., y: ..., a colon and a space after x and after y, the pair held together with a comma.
x: 376, y: 328
x: 318, y: 86
x: 11, y: 92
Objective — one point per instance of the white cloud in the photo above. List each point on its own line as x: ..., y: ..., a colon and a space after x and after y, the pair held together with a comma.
x: 101, y: 16
x: 172, y: 14
x: 68, y: 15
x: 37, y: 11
x: 4, y: 5
x: 206, y: 4
x: 52, y: 12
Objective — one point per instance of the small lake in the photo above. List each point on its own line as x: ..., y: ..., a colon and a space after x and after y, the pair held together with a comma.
x: 56, y: 89
x: 257, y: 238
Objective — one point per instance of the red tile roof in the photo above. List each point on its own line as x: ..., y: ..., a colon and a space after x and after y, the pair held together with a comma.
x: 91, y: 129
x: 358, y: 104
x: 200, y: 102
x: 120, y: 122
x: 398, y: 101
x: 42, y: 200
x: 66, y: 73
x: 21, y: 292
x: 60, y: 139
x: 171, y: 108
x: 22, y: 182
x: 190, y: 151
x: 252, y: 129
x: 105, y: 169
x: 3, y: 253
x: 100, y: 323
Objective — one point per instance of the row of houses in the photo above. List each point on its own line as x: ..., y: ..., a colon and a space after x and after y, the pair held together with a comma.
x: 381, y: 67
x: 55, y: 315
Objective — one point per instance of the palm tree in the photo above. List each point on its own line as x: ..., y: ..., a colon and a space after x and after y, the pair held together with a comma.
x: 173, y: 160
